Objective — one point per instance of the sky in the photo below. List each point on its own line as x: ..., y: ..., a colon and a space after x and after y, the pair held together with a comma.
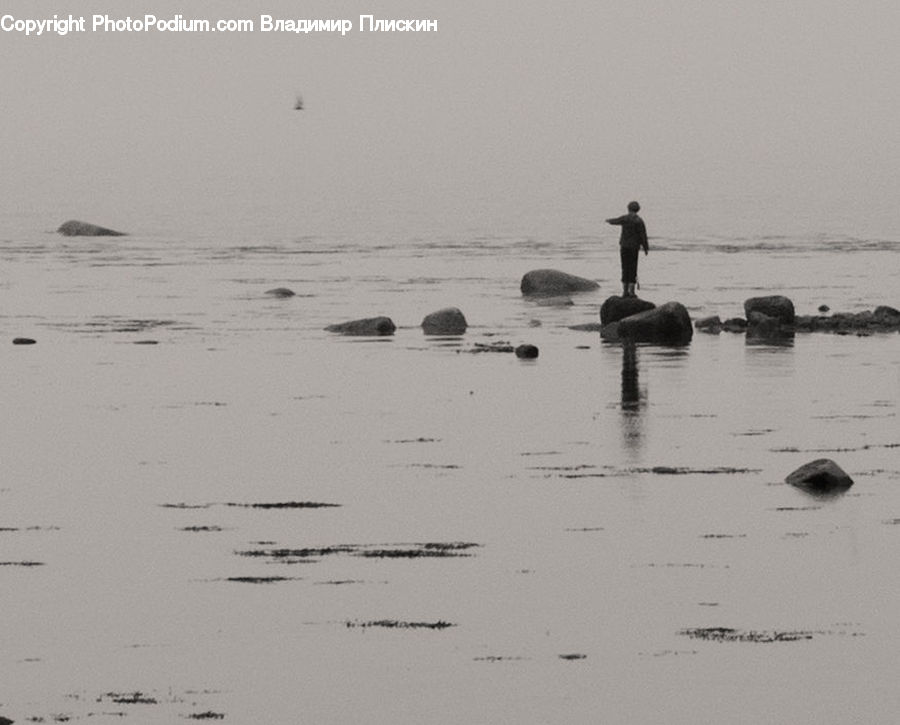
x: 509, y: 109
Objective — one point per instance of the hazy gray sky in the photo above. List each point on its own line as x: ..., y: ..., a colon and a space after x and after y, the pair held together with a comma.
x: 524, y: 103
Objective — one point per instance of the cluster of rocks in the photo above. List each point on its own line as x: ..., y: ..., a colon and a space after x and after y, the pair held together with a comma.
x: 773, y: 317
x: 621, y: 318
x: 447, y: 321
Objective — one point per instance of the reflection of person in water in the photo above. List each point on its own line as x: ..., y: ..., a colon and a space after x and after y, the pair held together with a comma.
x: 631, y: 397
x: 632, y: 240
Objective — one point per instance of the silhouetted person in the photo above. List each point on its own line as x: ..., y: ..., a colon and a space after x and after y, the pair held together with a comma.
x: 632, y: 239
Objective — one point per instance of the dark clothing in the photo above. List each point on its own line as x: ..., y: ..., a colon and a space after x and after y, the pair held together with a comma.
x: 629, y: 258
x: 634, y: 233
x: 631, y: 241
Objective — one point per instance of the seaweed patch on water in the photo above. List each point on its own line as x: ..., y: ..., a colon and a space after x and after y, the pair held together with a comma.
x: 853, y: 449
x: 499, y: 658
x: 680, y: 565
x: 723, y: 536
x: 399, y: 624
x: 185, y: 505
x: 421, y: 439
x: 129, y: 698
x: 285, y: 505
x: 21, y: 563
x: 727, y: 634
x: 573, y: 656
x: 261, y: 579
x: 255, y: 505
x: 382, y: 551
x: 686, y: 470
x: 412, y: 551
x: 203, y: 529
x: 439, y: 466
x: 208, y: 715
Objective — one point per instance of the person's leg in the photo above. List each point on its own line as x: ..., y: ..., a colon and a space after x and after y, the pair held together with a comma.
x: 629, y: 270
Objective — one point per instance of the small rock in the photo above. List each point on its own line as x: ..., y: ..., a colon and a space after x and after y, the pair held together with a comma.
x: 822, y: 476
x: 777, y: 306
x: 712, y: 325
x: 75, y: 228
x: 824, y: 308
x: 552, y: 282
x: 366, y: 326
x: 526, y: 351
x: 280, y: 292
x: 448, y: 321
x: 885, y: 315
x: 23, y: 341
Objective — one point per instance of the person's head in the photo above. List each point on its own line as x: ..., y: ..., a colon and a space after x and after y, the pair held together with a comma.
x: 634, y: 207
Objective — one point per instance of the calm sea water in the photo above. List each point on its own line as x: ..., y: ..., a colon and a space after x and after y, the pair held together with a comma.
x: 256, y: 519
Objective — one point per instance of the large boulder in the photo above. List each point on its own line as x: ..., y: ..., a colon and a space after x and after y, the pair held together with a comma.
x: 367, y: 326
x: 74, y: 228
x: 777, y: 306
x: 668, y: 324
x: 617, y: 308
x: 821, y: 476
x: 448, y: 321
x: 552, y: 283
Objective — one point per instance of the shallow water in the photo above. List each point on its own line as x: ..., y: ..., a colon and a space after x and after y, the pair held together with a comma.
x: 601, y: 534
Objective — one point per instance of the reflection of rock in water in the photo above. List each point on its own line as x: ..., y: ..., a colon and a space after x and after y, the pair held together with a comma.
x: 631, y: 396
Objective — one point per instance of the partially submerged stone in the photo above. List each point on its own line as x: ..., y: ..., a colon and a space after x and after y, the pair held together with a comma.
x: 527, y: 351
x: 711, y: 325
x: 280, y: 292
x: 821, y: 476
x: 75, y: 228
x: 668, y: 324
x: 762, y: 328
x: 777, y: 306
x: 448, y: 321
x: 552, y: 282
x: 372, y: 326
x: 617, y: 308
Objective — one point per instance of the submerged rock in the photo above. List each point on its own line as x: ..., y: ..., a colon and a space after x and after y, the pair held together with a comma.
x: 762, y: 327
x: 552, y: 282
x: 526, y: 351
x: 668, y: 324
x: 75, y: 228
x: 616, y: 308
x: 368, y: 326
x: 822, y: 476
x: 777, y: 306
x: 735, y: 324
x: 448, y: 321
x: 280, y: 292
x: 711, y: 325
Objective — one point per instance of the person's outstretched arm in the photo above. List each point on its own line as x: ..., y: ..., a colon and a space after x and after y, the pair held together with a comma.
x: 620, y: 220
